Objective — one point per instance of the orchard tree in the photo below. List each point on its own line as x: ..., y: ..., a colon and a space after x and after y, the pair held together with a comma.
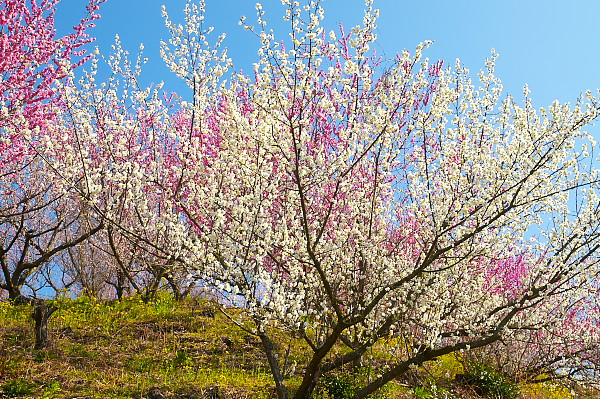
x: 563, y: 346
x: 84, y: 269
x: 113, y: 264
x: 39, y: 222
x: 81, y: 270
x: 348, y: 198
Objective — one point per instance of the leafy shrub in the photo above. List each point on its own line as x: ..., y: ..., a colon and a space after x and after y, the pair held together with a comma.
x: 344, y: 386
x: 489, y: 382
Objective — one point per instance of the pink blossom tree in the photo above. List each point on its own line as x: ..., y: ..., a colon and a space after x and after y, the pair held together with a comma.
x: 32, y: 60
x: 34, y: 215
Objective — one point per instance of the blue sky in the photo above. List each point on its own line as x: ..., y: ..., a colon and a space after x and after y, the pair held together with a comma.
x: 552, y: 45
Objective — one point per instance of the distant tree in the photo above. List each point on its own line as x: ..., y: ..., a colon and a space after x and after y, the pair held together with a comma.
x: 38, y: 223
x: 81, y: 269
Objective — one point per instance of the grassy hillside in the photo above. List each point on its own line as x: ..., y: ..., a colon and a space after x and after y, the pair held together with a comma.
x: 166, y: 349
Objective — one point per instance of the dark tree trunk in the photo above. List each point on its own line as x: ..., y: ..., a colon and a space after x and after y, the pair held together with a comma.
x: 19, y: 299
x: 41, y: 315
x: 121, y: 284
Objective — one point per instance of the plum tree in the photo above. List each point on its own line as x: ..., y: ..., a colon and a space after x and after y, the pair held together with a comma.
x: 348, y: 198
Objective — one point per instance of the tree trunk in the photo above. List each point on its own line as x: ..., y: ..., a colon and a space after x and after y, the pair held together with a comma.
x: 269, y: 349
x: 15, y: 296
x: 41, y: 315
x: 314, y: 369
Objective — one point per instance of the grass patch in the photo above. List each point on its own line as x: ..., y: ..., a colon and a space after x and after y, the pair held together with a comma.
x: 126, y: 349
x: 131, y: 349
x: 16, y: 387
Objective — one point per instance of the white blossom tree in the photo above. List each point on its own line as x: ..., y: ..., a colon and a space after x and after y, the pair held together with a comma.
x: 347, y: 198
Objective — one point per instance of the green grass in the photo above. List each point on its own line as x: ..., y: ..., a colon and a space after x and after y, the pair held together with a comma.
x: 125, y: 349
x: 129, y: 349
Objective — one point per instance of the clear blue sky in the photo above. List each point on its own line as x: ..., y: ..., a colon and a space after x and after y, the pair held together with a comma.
x: 550, y: 44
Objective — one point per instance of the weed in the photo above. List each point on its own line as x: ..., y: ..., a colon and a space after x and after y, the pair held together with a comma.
x: 140, y: 364
x: 8, y: 367
x: 546, y: 390
x: 17, y: 339
x: 338, y: 387
x: 181, y: 359
x: 18, y: 387
x: 79, y: 351
x: 44, y: 356
x: 431, y: 391
x: 421, y: 393
x: 51, y: 390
